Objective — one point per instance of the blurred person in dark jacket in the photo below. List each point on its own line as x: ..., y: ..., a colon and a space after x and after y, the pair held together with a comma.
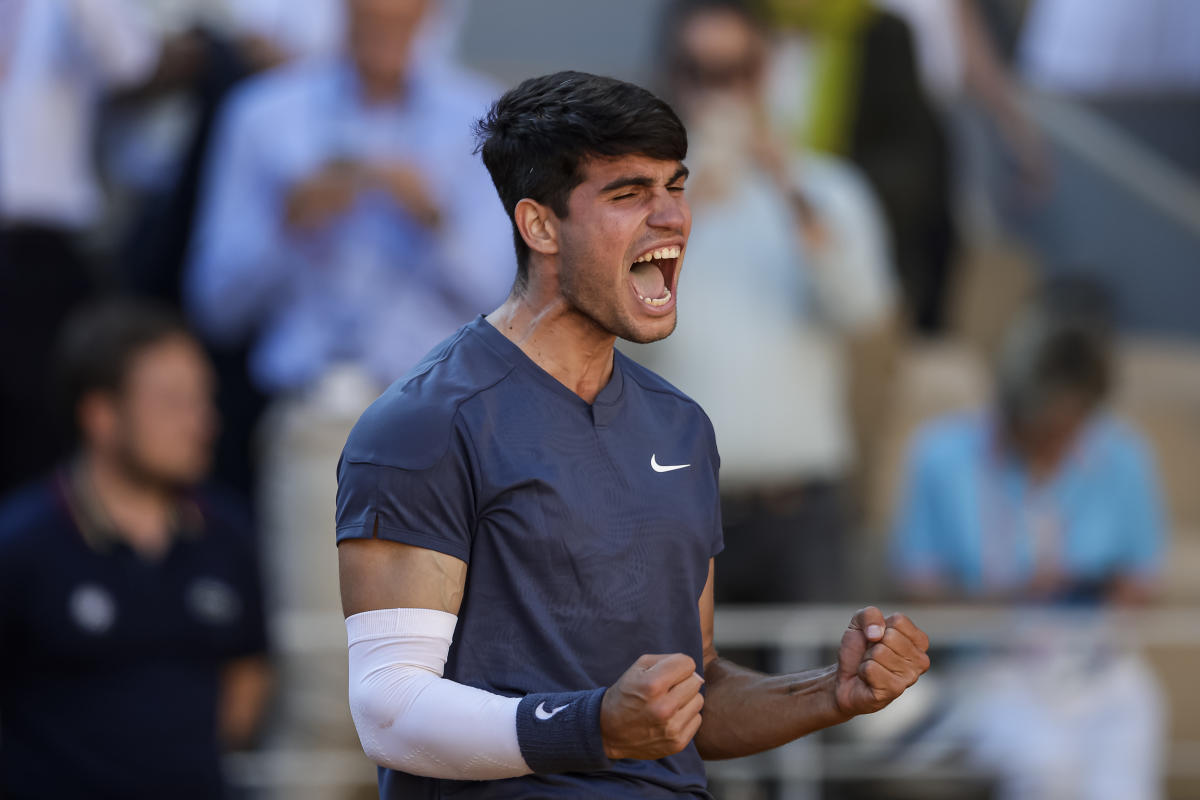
x: 131, y: 617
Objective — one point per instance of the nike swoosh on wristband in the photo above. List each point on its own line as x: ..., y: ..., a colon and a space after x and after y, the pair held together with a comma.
x: 541, y: 713
x: 657, y: 467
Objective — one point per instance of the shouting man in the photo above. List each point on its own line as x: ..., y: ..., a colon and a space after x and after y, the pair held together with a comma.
x: 527, y: 521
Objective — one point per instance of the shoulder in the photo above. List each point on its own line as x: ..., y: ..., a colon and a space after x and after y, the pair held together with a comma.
x: 834, y: 182
x: 660, y: 390
x: 281, y: 90
x: 25, y: 515
x: 1114, y: 441
x: 951, y: 441
x: 460, y: 90
x: 410, y: 426
x: 226, y: 514
x: 650, y: 381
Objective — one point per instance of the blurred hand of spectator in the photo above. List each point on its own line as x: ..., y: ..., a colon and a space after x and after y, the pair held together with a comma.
x: 408, y: 188
x: 328, y: 193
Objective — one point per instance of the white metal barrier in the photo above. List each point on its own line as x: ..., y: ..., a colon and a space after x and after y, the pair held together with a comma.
x: 801, y: 636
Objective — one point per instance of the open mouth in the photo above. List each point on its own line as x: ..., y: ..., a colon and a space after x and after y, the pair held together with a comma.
x: 652, y: 275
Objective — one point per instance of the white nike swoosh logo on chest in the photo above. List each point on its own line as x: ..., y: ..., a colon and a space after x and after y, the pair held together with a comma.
x: 657, y: 467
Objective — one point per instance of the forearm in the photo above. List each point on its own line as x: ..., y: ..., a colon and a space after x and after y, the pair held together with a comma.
x: 747, y: 712
x: 411, y: 719
x: 245, y: 689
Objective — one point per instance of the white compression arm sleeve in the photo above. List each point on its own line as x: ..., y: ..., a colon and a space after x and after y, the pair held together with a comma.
x: 412, y: 719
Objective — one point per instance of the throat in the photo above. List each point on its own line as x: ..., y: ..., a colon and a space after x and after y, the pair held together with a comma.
x: 648, y: 281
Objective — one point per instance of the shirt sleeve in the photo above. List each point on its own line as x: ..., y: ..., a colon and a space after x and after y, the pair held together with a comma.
x: 431, y: 507
x: 235, y: 273
x: 1143, y: 520
x: 851, y: 275
x: 474, y: 246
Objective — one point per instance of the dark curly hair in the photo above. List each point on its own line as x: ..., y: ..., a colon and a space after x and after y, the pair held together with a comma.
x: 535, y: 138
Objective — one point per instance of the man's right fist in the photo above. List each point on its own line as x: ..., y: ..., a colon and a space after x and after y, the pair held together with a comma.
x: 653, y: 710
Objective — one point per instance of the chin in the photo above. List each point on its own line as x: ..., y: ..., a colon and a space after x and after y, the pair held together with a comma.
x: 652, y: 332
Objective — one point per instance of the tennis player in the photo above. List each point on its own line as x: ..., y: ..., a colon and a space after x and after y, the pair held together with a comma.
x: 527, y: 521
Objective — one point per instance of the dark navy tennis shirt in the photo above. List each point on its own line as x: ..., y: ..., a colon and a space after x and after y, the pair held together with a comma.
x: 110, y: 663
x: 587, y: 530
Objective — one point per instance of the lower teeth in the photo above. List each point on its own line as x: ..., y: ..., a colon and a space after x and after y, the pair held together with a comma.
x: 662, y: 301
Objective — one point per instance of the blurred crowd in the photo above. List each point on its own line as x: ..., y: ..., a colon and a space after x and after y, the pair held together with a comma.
x: 227, y: 225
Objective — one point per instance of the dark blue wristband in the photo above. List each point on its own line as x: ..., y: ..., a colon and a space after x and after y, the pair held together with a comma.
x: 560, y: 731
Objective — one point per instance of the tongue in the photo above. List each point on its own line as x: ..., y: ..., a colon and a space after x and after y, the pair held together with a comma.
x: 648, y: 280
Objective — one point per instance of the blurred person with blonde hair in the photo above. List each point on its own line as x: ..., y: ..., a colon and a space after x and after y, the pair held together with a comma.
x: 131, y: 618
x: 1046, y: 498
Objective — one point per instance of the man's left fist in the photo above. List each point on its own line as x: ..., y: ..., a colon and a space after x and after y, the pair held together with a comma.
x: 878, y: 659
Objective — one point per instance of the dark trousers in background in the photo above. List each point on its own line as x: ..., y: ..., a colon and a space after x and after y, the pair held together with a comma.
x: 43, y: 278
x: 786, y: 545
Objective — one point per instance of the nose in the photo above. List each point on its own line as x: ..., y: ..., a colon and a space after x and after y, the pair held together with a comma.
x: 670, y: 212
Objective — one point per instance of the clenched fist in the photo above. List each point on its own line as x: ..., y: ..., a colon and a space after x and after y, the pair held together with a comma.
x: 878, y: 659
x: 653, y: 710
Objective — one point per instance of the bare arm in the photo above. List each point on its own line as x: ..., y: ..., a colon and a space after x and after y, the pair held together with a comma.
x: 245, y: 687
x: 746, y: 712
x: 377, y: 573
x: 650, y: 712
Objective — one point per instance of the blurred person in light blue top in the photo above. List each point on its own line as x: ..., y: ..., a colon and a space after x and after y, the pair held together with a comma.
x: 346, y: 218
x: 979, y: 522
x: 1048, y: 495
x: 1046, y: 498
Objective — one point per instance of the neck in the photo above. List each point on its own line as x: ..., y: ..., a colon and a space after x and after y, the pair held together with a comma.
x: 381, y: 89
x: 140, y: 511
x: 576, y: 351
x: 1040, y: 464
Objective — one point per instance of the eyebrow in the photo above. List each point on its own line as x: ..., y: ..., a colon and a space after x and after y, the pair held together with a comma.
x: 641, y: 180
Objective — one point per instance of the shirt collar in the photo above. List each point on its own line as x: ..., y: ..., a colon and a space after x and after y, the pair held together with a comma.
x: 96, y: 526
x: 348, y: 85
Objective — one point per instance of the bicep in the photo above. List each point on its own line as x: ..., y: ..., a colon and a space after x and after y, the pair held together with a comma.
x: 379, y: 574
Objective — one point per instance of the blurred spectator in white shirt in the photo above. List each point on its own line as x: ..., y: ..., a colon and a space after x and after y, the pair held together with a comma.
x: 57, y: 60
x: 67, y: 53
x: 787, y: 262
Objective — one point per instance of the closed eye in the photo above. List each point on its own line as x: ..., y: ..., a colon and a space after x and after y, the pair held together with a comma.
x: 625, y: 196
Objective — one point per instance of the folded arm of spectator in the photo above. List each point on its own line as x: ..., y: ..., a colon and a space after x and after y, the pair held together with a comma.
x: 474, y: 238
x: 851, y: 269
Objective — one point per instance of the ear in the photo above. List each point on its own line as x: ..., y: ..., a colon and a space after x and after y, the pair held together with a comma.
x: 538, y: 226
x: 96, y: 416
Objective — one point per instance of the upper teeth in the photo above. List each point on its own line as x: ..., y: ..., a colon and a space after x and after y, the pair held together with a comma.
x: 665, y: 252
